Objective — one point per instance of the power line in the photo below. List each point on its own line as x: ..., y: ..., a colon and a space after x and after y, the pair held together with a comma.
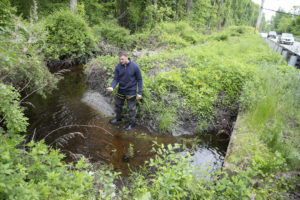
x: 280, y: 12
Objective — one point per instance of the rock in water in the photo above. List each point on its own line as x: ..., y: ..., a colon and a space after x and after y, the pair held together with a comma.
x: 99, y: 103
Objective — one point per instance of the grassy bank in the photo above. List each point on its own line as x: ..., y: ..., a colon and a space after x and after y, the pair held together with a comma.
x: 268, y: 131
x: 196, y: 84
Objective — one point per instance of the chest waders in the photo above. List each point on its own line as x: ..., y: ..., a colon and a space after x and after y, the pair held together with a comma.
x: 131, y: 103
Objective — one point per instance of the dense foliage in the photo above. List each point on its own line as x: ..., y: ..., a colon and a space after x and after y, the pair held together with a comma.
x: 72, y: 36
x: 67, y: 35
x: 188, y: 74
x: 141, y: 14
x: 32, y: 170
x: 6, y: 12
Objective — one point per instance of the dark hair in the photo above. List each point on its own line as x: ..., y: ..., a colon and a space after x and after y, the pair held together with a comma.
x: 122, y: 53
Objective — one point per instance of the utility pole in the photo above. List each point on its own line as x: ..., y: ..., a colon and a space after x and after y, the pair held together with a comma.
x: 259, y: 16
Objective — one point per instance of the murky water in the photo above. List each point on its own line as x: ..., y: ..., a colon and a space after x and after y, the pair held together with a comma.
x: 64, y: 121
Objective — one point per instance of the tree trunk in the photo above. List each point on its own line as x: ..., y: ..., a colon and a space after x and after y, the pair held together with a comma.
x: 73, y: 5
x: 188, y: 6
x: 209, y: 21
x: 221, y: 4
x: 219, y: 7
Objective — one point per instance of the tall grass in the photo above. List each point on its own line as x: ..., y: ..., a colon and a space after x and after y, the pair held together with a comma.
x: 274, y: 114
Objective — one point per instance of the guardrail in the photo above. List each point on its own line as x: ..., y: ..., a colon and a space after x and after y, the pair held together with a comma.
x: 297, y: 39
x: 290, y: 56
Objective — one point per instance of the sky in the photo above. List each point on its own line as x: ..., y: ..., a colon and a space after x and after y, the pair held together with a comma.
x: 287, y: 5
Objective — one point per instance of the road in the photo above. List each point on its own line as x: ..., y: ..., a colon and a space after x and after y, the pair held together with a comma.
x: 294, y: 48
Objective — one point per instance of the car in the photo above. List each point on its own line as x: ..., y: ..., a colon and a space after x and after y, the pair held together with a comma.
x: 272, y: 34
x: 286, y: 38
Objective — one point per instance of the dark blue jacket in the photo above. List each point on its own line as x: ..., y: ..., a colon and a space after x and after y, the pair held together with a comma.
x: 128, y: 76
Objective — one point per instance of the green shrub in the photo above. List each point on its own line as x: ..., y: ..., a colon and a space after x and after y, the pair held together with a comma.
x: 114, y: 34
x: 6, y: 14
x: 39, y: 173
x: 239, y: 30
x: 169, y: 34
x: 68, y: 35
x: 166, y: 120
x: 198, y: 75
x: 21, y: 64
x: 221, y: 36
x: 10, y: 110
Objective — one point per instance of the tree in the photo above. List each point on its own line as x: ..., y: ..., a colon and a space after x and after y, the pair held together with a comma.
x: 188, y: 5
x: 284, y: 24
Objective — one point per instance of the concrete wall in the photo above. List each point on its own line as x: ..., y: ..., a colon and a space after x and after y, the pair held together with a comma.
x: 291, y: 57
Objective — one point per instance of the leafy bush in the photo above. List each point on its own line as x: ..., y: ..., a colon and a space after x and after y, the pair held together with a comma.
x: 21, y: 64
x: 221, y: 37
x: 239, y: 30
x: 171, y: 175
x: 13, y: 115
x: 169, y: 34
x: 39, y: 173
x: 68, y: 35
x: 114, y: 34
x: 6, y: 14
x: 32, y: 171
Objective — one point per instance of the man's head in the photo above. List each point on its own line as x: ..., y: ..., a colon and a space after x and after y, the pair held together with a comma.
x: 123, y: 57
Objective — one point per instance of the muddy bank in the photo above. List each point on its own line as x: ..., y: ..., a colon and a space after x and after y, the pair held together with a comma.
x: 67, y: 61
x: 99, y: 77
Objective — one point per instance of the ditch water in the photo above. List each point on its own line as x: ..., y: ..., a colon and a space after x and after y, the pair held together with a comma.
x: 64, y: 112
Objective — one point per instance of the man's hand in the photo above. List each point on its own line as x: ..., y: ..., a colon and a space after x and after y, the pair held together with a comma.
x: 109, y: 89
x: 138, y: 96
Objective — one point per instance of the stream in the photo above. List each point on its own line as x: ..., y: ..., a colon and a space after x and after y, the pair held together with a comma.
x: 66, y: 120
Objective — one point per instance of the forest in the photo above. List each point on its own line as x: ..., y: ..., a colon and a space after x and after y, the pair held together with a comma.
x: 203, y: 69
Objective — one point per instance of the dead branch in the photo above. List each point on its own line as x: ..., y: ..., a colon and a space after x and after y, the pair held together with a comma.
x: 33, y: 136
x: 63, y: 140
x: 32, y: 93
x: 28, y: 103
x: 26, y: 85
x: 76, y: 125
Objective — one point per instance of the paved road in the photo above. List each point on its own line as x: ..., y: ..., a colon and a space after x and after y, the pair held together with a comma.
x: 294, y: 48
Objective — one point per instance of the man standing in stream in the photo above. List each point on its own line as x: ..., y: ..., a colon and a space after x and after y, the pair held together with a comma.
x: 128, y: 75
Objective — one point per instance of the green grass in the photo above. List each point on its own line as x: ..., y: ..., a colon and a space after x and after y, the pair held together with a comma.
x: 274, y: 114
